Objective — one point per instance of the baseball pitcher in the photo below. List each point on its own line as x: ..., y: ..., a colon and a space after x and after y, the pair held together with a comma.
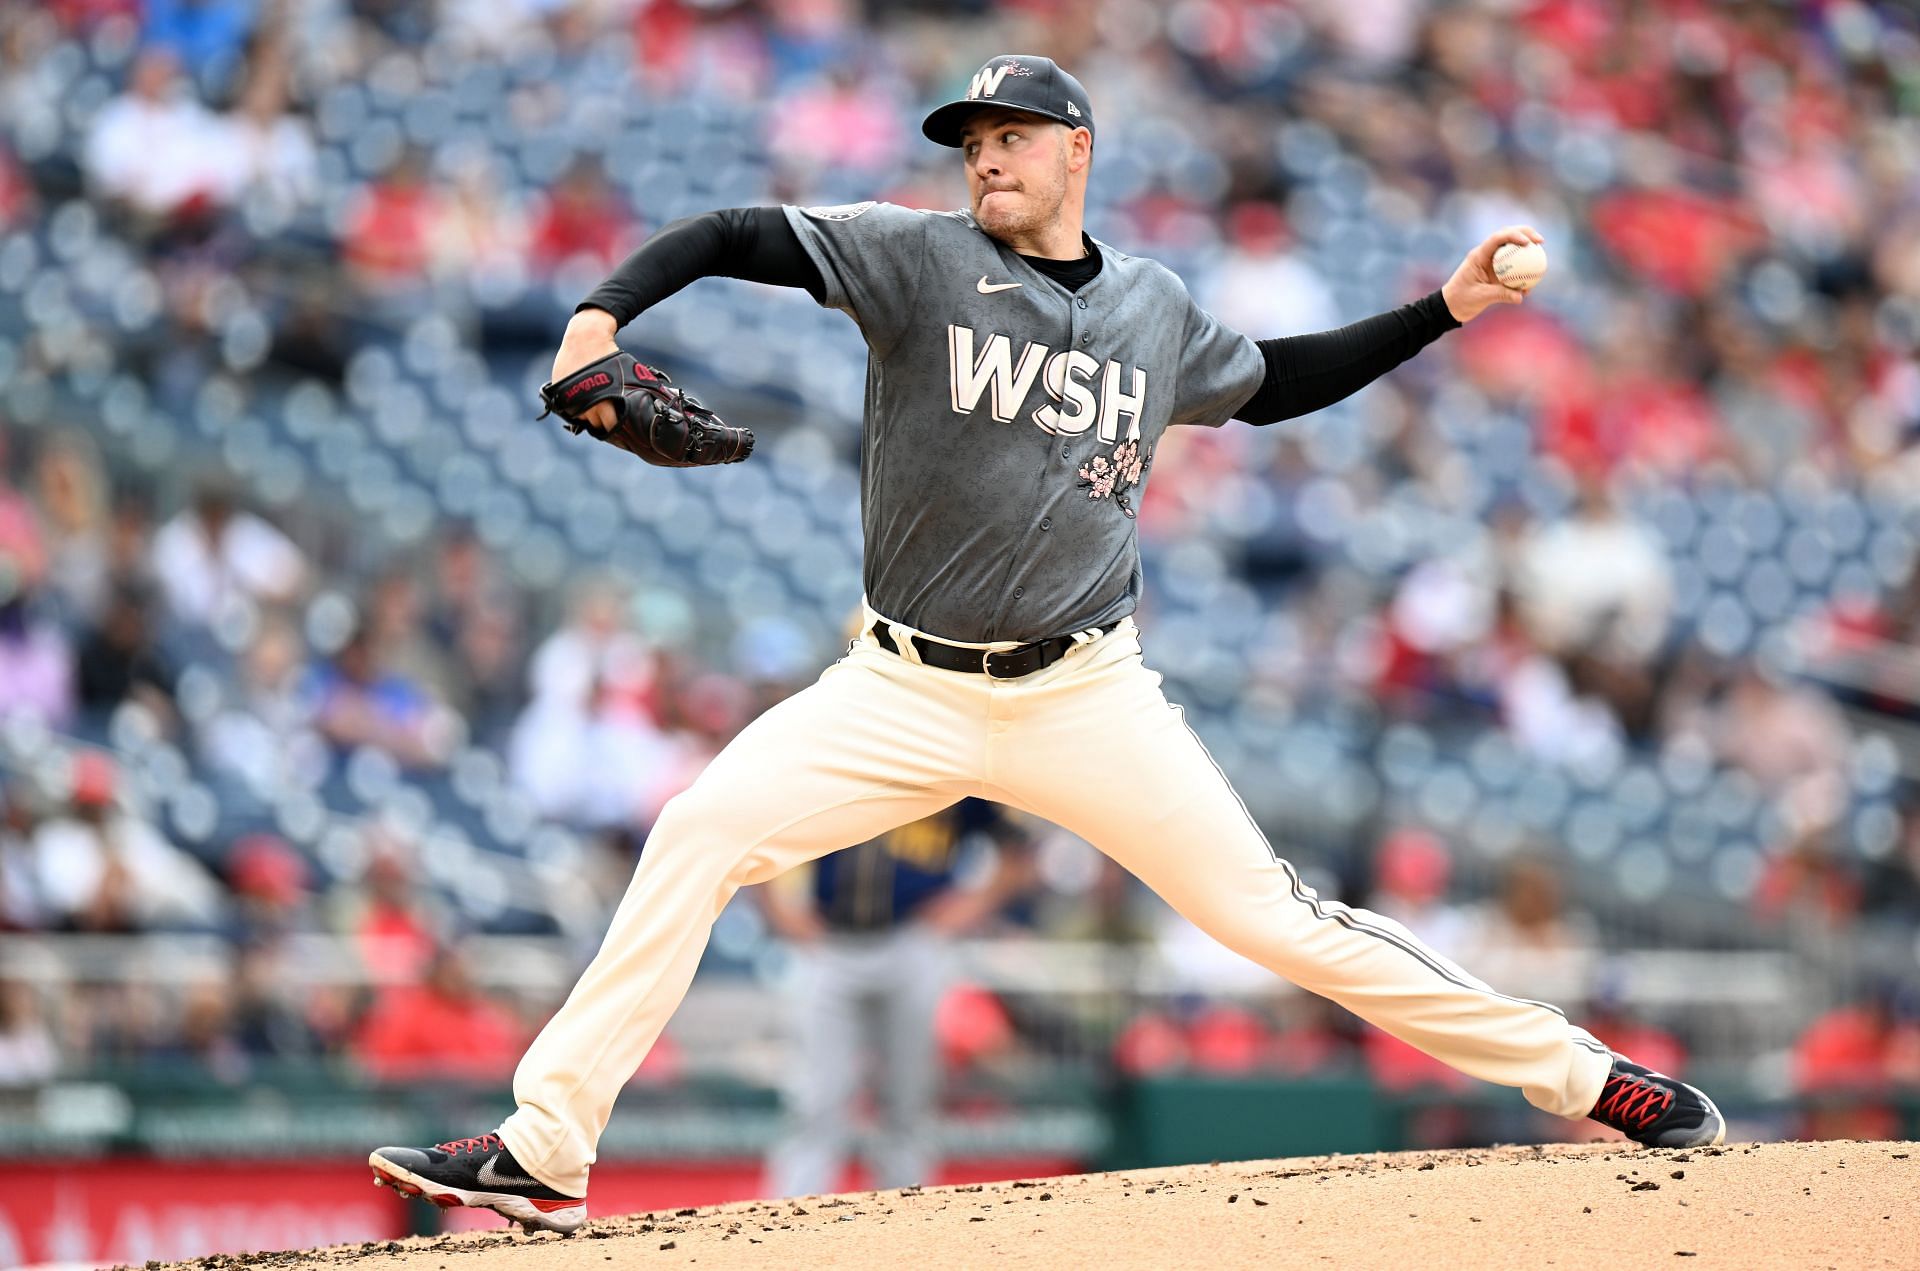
x: 1021, y: 376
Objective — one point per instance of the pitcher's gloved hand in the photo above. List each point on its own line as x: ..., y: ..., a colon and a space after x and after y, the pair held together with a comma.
x: 653, y: 419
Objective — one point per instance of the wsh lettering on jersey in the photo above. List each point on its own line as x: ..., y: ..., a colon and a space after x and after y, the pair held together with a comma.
x: 1080, y: 391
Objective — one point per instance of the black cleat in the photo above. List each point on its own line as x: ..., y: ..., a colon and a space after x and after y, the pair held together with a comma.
x: 481, y: 1174
x: 1654, y: 1110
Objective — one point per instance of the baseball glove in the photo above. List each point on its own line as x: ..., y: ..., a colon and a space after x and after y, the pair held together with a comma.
x: 656, y: 421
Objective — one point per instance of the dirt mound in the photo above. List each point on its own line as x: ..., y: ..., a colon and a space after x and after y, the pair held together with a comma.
x: 1851, y: 1204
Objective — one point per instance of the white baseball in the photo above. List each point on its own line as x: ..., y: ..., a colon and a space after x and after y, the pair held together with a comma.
x: 1520, y: 267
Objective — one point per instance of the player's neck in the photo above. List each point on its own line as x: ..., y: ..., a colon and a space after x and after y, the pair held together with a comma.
x: 1061, y: 240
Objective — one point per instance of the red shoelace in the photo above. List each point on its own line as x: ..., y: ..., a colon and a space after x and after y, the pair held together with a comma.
x: 478, y: 1143
x: 1631, y: 1103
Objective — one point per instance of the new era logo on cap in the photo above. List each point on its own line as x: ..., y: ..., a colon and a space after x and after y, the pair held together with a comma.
x: 1018, y: 81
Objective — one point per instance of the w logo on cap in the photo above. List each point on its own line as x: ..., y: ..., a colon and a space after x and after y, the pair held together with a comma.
x: 986, y: 82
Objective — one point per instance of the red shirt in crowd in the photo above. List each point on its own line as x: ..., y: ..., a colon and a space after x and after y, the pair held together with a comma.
x: 389, y: 236
x: 418, y: 1031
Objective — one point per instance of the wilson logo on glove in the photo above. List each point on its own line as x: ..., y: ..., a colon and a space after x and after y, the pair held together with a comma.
x: 659, y: 423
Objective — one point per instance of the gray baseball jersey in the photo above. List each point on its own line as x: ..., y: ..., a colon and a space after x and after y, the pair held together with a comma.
x: 1010, y: 424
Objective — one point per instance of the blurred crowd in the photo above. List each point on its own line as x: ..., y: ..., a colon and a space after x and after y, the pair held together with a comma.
x: 1731, y: 193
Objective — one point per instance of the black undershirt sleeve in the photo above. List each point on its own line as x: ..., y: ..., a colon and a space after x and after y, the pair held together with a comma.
x: 754, y: 243
x: 1308, y: 372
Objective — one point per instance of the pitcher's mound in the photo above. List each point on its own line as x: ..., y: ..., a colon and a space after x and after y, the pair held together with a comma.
x: 1852, y: 1205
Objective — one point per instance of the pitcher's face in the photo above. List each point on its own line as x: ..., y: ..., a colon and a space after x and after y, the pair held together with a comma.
x: 1017, y: 166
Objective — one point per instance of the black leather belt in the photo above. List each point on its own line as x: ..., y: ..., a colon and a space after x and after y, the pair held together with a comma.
x: 1006, y: 664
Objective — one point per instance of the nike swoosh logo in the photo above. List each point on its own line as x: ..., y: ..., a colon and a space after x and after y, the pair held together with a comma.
x: 987, y: 290
x: 493, y: 1177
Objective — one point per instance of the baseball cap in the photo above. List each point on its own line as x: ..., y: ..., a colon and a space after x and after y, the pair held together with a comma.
x: 1017, y: 81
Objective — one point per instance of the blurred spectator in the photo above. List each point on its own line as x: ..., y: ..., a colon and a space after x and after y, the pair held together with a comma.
x: 117, y: 1024
x: 491, y: 27
x: 1634, y: 408
x: 441, y: 1029
x: 486, y: 671
x: 1808, y: 883
x: 1527, y: 940
x: 155, y: 150
x: 1278, y: 551
x: 102, y: 868
x: 1260, y: 286
x: 36, y: 656
x: 1613, y: 1017
x: 845, y: 121
x: 581, y: 220
x: 1894, y: 885
x: 1314, y: 1036
x: 310, y: 335
x: 260, y: 729
x: 1597, y: 579
x: 391, y: 923
x: 1150, y: 1044
x: 271, y: 891
x: 1770, y: 426
x: 214, y: 554
x: 207, y: 36
x: 1308, y: 1036
x: 72, y: 498
x: 21, y: 906
x: 121, y: 659
x: 396, y: 625
x: 463, y: 581
x: 1789, y: 738
x: 1674, y: 239
x: 1793, y: 742
x: 1851, y: 1058
x: 1454, y: 630
x: 28, y: 1055
x: 270, y: 150
x: 265, y: 1022
x: 1225, y: 1039
x: 392, y: 225
x: 1540, y: 701
x: 482, y: 234
x: 594, y: 707
x: 201, y: 1040
x: 873, y: 939
x: 130, y: 538
x: 17, y: 199
x: 700, y: 713
x: 1412, y: 874
x: 359, y: 698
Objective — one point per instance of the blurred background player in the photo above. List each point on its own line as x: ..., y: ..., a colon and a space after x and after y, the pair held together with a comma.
x: 871, y: 934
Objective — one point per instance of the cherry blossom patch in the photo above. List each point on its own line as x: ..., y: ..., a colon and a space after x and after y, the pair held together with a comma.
x: 1112, y: 476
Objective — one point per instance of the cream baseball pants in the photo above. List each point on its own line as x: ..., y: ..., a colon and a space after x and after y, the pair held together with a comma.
x: 1089, y: 743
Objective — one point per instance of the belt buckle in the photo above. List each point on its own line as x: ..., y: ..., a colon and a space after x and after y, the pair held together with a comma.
x: 986, y: 664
